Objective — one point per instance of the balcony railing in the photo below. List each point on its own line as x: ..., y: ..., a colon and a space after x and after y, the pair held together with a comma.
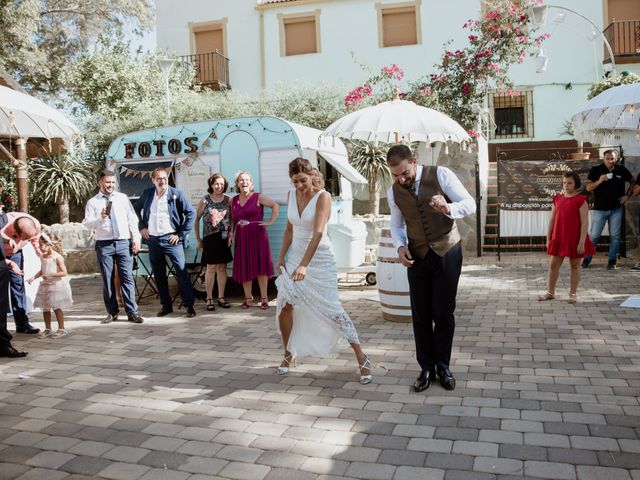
x: 212, y: 70
x: 624, y: 38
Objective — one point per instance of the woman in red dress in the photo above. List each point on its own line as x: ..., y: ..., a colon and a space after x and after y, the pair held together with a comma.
x: 567, y: 235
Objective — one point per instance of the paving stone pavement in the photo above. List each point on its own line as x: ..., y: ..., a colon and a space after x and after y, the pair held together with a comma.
x: 545, y: 390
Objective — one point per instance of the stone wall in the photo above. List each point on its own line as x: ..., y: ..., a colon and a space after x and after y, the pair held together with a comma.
x: 77, y: 245
x: 462, y: 163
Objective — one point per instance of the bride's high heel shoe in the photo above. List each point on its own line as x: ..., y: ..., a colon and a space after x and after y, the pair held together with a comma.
x: 286, y: 364
x: 366, y: 366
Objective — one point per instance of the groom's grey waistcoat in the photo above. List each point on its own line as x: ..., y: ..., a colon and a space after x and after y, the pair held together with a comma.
x: 426, y: 228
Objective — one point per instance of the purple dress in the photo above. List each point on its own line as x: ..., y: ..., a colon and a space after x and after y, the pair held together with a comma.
x: 251, y: 254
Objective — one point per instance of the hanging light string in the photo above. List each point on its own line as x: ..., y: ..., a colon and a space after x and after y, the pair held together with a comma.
x: 220, y: 128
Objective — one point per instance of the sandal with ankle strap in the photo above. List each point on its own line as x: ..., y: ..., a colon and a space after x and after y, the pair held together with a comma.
x: 573, y: 298
x: 247, y: 303
x: 288, y: 363
x: 264, y: 303
x: 223, y: 303
x: 546, y: 296
x: 210, y: 305
x: 366, y: 379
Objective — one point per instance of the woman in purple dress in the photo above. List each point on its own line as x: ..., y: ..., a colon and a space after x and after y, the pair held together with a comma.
x: 252, y: 253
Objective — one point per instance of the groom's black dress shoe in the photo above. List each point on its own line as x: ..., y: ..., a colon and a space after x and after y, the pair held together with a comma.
x: 30, y: 329
x: 446, y: 378
x: 12, y: 352
x: 423, y: 381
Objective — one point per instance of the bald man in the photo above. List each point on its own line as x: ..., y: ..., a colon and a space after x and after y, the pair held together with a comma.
x: 20, y: 230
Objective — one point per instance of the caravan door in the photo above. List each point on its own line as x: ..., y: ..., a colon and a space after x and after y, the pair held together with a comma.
x: 238, y: 152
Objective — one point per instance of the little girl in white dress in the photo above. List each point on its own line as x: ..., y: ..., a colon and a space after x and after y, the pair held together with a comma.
x: 54, y: 292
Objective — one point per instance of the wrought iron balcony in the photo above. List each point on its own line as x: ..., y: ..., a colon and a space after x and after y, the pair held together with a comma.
x: 212, y: 70
x: 624, y: 38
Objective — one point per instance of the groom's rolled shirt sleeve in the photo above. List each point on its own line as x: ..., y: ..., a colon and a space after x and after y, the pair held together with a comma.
x: 396, y: 224
x: 462, y: 203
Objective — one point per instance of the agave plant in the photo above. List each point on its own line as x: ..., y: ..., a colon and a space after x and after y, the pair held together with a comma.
x: 62, y: 178
x: 370, y: 159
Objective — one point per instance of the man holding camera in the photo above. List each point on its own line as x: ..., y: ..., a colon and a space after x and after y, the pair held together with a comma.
x: 607, y: 182
x: 110, y: 215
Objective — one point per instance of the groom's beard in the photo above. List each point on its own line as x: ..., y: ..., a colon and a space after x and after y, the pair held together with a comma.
x: 409, y: 184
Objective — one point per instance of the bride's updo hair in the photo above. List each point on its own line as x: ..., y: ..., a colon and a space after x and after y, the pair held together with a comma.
x: 300, y: 165
x: 317, y: 179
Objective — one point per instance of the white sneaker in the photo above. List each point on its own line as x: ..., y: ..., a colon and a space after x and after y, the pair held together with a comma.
x: 60, y: 333
x: 47, y: 332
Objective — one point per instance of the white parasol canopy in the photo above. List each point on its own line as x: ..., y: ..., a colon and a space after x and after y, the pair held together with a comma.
x: 23, y: 116
x: 395, y: 121
x: 611, y: 118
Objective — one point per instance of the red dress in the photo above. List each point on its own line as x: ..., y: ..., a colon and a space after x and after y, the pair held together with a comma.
x: 565, y: 234
x: 252, y: 253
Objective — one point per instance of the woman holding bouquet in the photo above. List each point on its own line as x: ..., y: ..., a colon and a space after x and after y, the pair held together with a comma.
x: 215, y: 210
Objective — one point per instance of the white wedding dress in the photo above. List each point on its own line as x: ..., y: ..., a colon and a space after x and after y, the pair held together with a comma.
x: 319, y: 321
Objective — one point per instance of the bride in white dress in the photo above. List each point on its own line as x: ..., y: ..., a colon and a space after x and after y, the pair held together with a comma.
x: 309, y: 315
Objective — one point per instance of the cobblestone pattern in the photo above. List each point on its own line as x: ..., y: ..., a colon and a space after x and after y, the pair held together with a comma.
x: 545, y: 390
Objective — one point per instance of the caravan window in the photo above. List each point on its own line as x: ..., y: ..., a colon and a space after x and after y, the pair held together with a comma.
x: 134, y: 178
x: 331, y: 177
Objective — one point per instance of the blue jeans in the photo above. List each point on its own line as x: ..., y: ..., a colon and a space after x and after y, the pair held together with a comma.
x: 18, y: 294
x: 159, y: 247
x: 614, y: 220
x: 118, y: 252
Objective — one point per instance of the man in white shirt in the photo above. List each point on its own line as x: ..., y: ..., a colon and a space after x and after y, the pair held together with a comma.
x: 111, y: 216
x: 424, y: 203
x: 166, y: 218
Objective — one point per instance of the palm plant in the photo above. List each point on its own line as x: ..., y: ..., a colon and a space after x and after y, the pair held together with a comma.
x: 62, y: 178
x: 370, y: 160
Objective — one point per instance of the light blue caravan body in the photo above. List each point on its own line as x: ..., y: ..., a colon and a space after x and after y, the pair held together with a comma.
x: 261, y: 145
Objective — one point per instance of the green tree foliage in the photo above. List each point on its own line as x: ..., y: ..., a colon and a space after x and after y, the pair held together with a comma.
x: 39, y: 38
x: 61, y: 179
x: 370, y: 160
x: 118, y: 92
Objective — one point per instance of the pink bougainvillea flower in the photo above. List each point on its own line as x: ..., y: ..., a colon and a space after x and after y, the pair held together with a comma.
x: 473, y: 134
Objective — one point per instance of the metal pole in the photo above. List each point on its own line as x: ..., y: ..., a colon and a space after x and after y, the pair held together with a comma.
x: 166, y: 93
x: 478, y: 212
x: 595, y: 27
x: 21, y: 174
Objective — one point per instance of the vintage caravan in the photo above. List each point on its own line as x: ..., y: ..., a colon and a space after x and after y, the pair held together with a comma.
x: 262, y: 145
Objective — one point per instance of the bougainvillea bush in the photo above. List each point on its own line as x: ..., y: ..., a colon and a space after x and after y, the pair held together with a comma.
x: 503, y: 36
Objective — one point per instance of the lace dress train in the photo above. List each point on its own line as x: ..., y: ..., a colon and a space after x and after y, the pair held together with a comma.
x: 319, y: 321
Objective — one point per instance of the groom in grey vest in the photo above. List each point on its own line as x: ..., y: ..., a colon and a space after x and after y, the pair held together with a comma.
x: 425, y: 201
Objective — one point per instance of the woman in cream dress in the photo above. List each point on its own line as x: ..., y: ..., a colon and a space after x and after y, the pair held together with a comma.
x: 309, y: 315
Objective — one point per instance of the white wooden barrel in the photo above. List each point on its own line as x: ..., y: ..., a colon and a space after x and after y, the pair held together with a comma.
x: 393, y: 285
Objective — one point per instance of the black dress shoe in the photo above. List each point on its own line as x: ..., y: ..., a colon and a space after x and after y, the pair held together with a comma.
x: 191, y: 312
x: 12, y: 352
x: 166, y: 310
x: 446, y: 378
x: 423, y: 381
x: 28, y: 329
x: 111, y: 317
x: 135, y: 317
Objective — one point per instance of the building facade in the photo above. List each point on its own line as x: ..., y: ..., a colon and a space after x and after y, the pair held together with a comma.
x: 248, y: 46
